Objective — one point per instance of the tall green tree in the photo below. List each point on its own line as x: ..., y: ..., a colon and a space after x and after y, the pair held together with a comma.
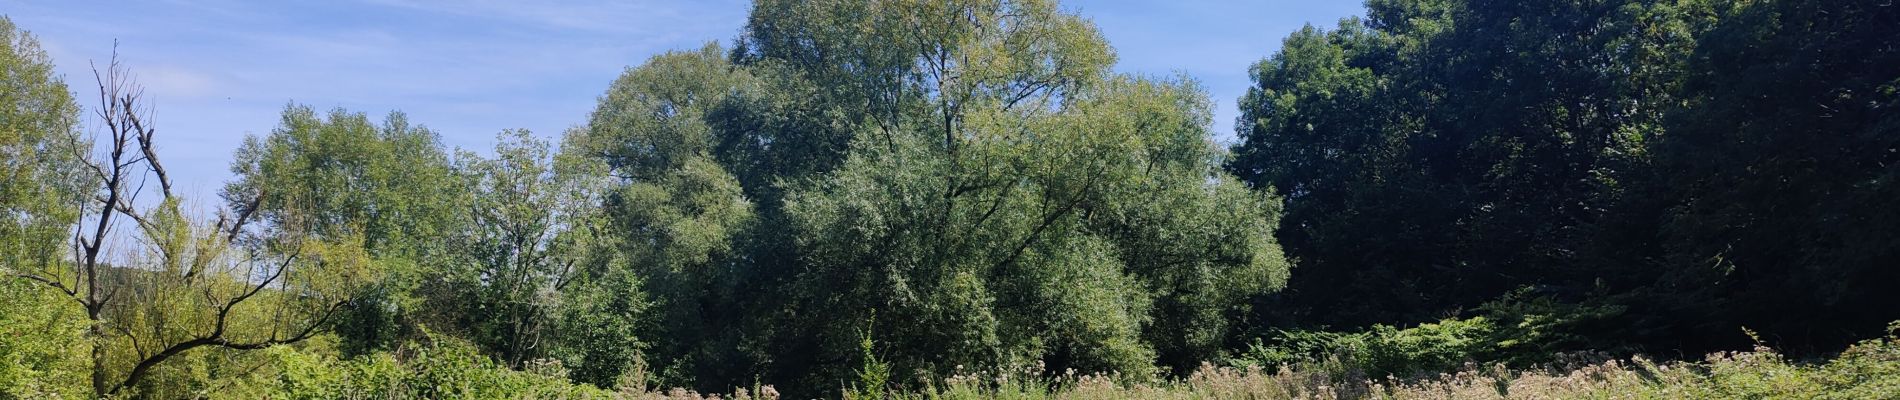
x: 968, y: 172
x: 1772, y: 186
x: 1440, y: 153
x: 41, y: 350
x: 346, y: 174
x: 519, y: 253
x: 1093, y: 236
x: 339, y: 175
x: 675, y: 214
x: 37, y: 143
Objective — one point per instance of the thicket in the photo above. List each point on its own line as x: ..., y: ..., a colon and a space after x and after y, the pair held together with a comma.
x: 961, y: 199
x: 1674, y: 170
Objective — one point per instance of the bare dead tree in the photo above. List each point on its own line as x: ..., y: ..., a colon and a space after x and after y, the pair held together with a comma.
x: 119, y: 166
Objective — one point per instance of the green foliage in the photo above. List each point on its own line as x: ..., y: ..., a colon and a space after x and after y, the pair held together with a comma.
x: 657, y: 117
x: 1440, y: 346
x: 438, y: 367
x: 42, y: 351
x: 42, y: 354
x: 1007, y: 210
x: 209, y: 321
x: 1440, y: 153
x: 433, y: 366
x: 1769, y: 190
x: 600, y: 327
x: 529, y: 220
x: 39, y: 142
x: 599, y: 322
x: 1868, y: 369
x: 985, y: 185
x: 342, y: 175
x: 1009, y: 237
x: 1534, y: 329
x: 1864, y: 371
x: 671, y: 218
x: 874, y: 375
x: 1519, y: 330
x: 169, y: 305
x: 1510, y: 181
x: 1383, y: 350
x: 1669, y: 170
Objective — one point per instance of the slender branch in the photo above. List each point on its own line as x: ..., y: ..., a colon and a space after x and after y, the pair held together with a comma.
x: 126, y: 209
x: 281, y: 267
x: 136, y: 348
x: 1049, y: 220
x: 145, y: 145
x: 243, y: 215
x: 70, y: 292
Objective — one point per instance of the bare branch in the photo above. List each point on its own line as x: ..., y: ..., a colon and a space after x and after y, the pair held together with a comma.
x: 145, y: 144
x: 243, y: 215
x: 136, y: 348
x: 126, y: 209
x: 281, y: 267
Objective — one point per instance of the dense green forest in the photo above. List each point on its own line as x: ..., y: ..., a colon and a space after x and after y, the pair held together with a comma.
x: 961, y: 199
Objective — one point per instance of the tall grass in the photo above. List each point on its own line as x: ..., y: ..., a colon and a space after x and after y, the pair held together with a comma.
x: 1868, y: 370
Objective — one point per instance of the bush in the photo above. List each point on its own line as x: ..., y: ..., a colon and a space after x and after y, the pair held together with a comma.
x: 439, y: 367
x: 435, y: 367
x: 1381, y: 351
x: 42, y: 355
x: 1532, y: 329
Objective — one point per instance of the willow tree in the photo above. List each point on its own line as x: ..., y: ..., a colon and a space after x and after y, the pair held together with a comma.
x: 672, y: 218
x: 341, y: 176
x: 960, y: 183
x: 1093, y: 235
x: 531, y: 213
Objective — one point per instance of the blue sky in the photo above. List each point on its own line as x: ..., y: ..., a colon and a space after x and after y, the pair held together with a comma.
x: 217, y: 70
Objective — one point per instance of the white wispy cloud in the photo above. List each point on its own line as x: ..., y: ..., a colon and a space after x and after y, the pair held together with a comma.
x: 617, y: 17
x: 179, y: 81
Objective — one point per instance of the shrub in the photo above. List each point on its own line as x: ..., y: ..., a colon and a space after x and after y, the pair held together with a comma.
x: 1381, y: 351
x: 1531, y: 329
x: 434, y: 367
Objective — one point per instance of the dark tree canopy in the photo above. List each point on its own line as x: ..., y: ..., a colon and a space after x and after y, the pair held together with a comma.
x: 1692, y: 167
x: 1777, y: 175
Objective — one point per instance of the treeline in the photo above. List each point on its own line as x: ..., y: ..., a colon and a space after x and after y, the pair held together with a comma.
x: 1663, y: 172
x: 864, y: 197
